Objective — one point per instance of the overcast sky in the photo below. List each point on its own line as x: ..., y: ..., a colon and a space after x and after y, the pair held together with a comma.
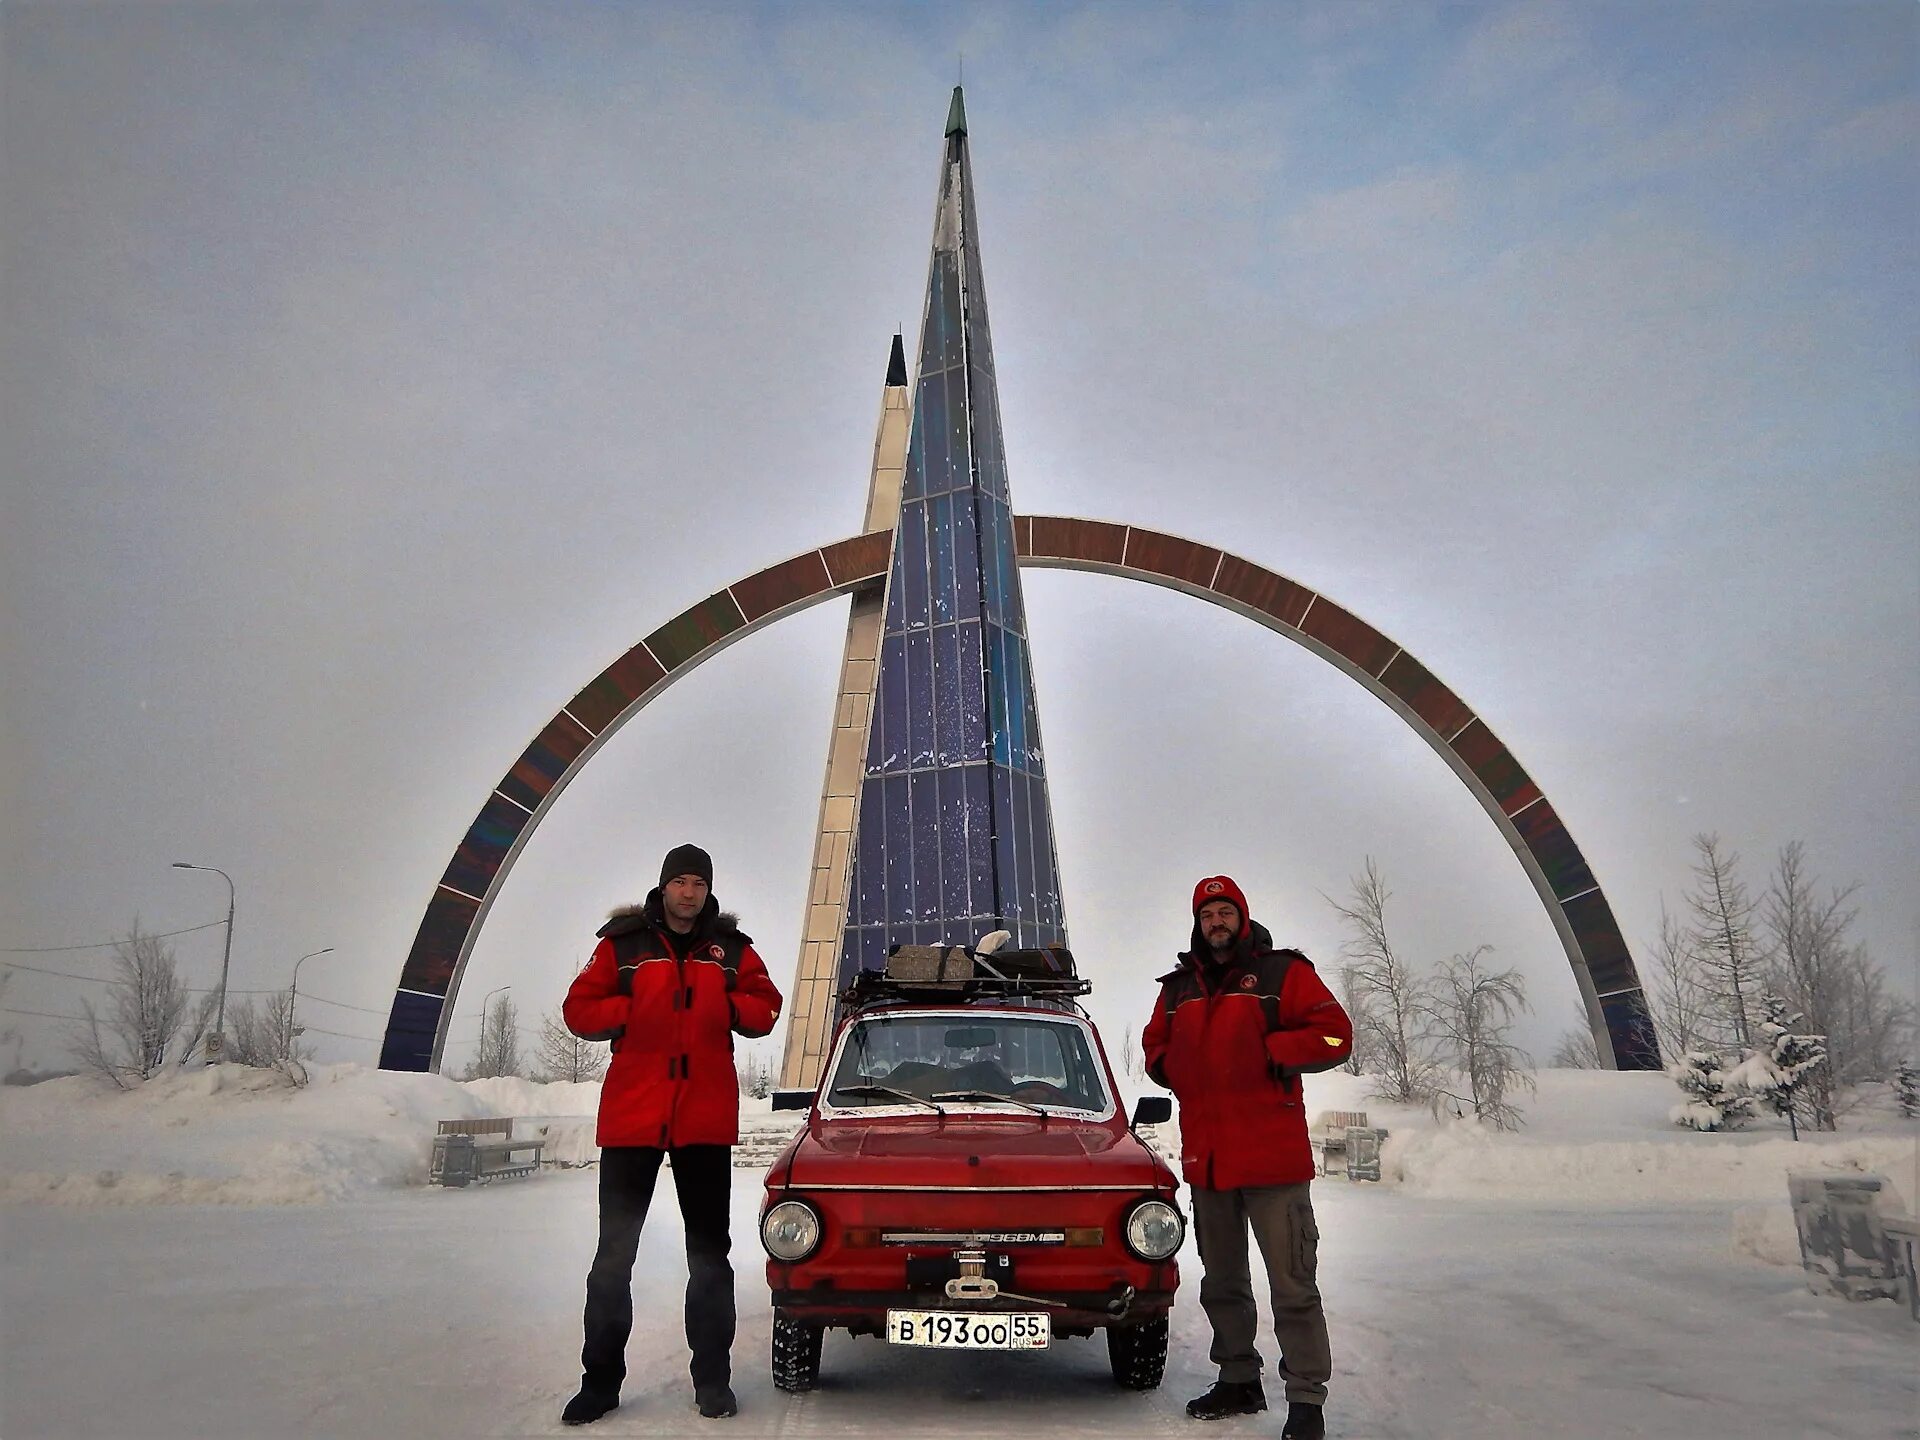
x: 374, y: 374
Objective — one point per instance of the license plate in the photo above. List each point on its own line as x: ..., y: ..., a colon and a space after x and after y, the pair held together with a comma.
x: 951, y: 1330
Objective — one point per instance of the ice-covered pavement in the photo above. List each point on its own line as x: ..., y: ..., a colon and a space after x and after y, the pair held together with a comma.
x: 428, y: 1313
x: 221, y: 1254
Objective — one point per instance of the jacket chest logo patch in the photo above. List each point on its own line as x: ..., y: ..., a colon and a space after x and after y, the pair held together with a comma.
x: 716, y: 952
x: 1247, y: 982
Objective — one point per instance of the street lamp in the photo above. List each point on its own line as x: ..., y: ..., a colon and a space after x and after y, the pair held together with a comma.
x: 294, y: 998
x: 480, y: 1057
x: 219, y: 1040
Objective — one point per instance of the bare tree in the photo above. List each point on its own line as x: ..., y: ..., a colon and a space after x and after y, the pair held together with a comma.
x: 1721, y: 933
x: 1388, y: 1023
x: 1810, y: 963
x: 1679, y: 996
x: 1357, y: 1000
x: 1129, y: 1053
x: 265, y: 1035
x: 1470, y: 1010
x: 1872, y: 1028
x: 499, y: 1052
x: 564, y: 1055
x: 150, y: 1020
x: 1577, y: 1049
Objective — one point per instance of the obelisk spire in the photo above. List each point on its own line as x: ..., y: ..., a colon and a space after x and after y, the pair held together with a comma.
x: 954, y: 831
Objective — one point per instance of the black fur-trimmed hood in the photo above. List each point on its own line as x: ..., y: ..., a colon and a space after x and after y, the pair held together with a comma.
x: 713, y: 923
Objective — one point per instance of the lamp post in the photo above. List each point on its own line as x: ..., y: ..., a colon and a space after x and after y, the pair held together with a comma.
x: 218, y: 1043
x: 293, y: 999
x: 481, y: 1054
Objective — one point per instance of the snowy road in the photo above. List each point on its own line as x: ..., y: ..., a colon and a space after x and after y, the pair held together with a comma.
x: 427, y: 1313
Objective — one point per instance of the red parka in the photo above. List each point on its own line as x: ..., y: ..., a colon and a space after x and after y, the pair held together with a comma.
x: 671, y: 1005
x: 1231, y: 1041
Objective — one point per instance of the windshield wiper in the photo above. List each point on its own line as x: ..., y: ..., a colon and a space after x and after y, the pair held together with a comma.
x: 905, y: 1095
x: 992, y: 1095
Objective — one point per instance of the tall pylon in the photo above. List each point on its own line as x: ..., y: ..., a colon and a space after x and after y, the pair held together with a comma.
x: 949, y: 833
x: 811, y: 1009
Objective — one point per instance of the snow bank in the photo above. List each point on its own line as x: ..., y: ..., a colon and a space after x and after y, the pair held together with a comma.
x: 225, y: 1135
x: 239, y: 1136
x: 1461, y: 1161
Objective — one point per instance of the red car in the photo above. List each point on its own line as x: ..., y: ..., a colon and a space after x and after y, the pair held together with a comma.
x: 966, y: 1178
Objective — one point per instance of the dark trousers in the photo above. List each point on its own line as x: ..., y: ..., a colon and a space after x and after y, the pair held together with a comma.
x: 1281, y: 1218
x: 703, y: 1180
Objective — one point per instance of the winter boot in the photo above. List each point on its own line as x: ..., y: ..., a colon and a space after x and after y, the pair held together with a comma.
x: 588, y: 1406
x: 1304, y: 1422
x: 716, y: 1402
x: 1228, y: 1398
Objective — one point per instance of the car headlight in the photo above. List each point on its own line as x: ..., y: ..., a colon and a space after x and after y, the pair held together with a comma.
x: 1154, y: 1230
x: 790, y: 1230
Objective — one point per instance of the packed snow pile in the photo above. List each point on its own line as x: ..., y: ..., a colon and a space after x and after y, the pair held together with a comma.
x: 225, y: 1134
x: 233, y: 1135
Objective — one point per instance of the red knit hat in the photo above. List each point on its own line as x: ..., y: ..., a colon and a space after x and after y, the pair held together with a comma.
x: 1221, y: 887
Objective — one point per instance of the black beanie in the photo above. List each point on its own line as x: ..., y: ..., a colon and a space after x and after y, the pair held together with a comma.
x: 687, y: 860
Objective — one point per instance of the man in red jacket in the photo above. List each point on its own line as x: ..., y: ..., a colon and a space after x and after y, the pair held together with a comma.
x: 669, y: 984
x: 1237, y: 1024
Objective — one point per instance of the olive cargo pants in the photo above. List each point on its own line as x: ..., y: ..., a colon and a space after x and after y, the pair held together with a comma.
x: 1281, y: 1217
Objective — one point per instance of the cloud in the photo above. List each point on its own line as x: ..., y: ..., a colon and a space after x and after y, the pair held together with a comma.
x: 1372, y: 245
x: 1514, y: 49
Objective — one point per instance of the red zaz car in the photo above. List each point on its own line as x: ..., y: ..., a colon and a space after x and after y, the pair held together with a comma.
x: 966, y: 1178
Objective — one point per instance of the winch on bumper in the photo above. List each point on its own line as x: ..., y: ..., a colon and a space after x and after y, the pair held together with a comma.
x: 854, y: 1291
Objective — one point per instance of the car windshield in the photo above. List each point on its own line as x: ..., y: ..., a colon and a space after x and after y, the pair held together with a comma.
x: 966, y: 1058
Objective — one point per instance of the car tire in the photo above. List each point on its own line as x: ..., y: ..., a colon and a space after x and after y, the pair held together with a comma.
x: 796, y: 1353
x: 1138, y: 1354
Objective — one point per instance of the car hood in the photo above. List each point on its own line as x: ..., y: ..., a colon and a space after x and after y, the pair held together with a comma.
x: 972, y: 1152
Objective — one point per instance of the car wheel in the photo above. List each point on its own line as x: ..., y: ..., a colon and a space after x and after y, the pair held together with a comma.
x: 1138, y: 1353
x: 796, y: 1353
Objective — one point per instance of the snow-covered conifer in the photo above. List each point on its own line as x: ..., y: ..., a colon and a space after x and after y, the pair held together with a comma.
x: 1713, y: 1102
x: 1906, y: 1089
x: 1774, y: 1071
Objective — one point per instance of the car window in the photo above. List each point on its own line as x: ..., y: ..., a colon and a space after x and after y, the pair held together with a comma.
x: 1034, y: 1061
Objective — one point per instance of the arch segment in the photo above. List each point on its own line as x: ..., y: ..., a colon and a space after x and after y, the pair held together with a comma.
x: 1597, y: 952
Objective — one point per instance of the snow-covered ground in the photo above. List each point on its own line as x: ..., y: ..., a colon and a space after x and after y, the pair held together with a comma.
x: 221, y: 1255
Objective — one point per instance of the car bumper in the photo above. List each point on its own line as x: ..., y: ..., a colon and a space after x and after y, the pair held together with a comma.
x: 1071, y: 1310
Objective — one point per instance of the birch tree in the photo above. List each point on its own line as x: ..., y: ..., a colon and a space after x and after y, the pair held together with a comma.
x: 1808, y: 955
x: 150, y: 1020
x: 564, y: 1055
x: 1678, y: 993
x: 1722, y: 936
x: 265, y: 1035
x: 1470, y: 1011
x: 1389, y: 1020
x: 499, y: 1052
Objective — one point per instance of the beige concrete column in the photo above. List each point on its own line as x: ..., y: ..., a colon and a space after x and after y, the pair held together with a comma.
x: 810, y: 1002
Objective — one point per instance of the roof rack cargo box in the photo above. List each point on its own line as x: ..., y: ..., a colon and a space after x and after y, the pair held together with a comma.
x: 924, y: 963
x: 1047, y: 962
x: 939, y: 963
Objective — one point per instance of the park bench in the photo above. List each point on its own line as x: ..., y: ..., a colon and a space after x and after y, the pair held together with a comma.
x: 1344, y: 1144
x: 1854, y: 1241
x: 467, y: 1152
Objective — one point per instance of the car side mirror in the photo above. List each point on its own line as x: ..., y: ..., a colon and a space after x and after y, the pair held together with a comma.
x: 1152, y: 1110
x: 793, y: 1100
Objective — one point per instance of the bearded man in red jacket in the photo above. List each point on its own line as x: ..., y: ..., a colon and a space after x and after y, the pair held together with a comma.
x: 1237, y: 1024
x: 670, y: 983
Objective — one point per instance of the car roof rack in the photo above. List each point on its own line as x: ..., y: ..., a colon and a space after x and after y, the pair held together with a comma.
x: 949, y: 973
